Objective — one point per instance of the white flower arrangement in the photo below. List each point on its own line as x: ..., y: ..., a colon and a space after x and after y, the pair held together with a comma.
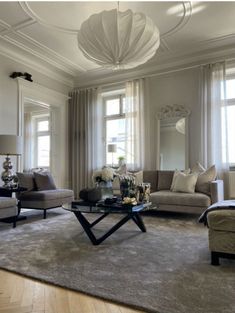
x: 106, y: 175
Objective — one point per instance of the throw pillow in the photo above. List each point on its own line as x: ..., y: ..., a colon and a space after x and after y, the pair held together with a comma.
x: 164, y: 180
x: 26, y: 180
x: 175, y: 175
x: 198, y: 168
x: 138, y: 177
x: 185, y: 183
x: 44, y: 181
x: 122, y: 170
x: 204, y: 180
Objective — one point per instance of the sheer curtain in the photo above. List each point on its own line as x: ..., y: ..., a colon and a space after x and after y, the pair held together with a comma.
x: 214, y: 117
x: 28, y: 141
x: 137, y: 125
x: 85, y: 137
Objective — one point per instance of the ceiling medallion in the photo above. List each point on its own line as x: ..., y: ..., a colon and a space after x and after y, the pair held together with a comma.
x: 118, y: 40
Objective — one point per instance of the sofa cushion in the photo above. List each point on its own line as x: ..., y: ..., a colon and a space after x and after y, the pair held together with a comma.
x: 44, y: 181
x: 223, y: 220
x: 6, y: 202
x: 164, y: 180
x: 198, y: 168
x: 204, y: 180
x: 151, y: 177
x: 185, y: 183
x: 179, y: 198
x: 45, y: 195
x: 26, y: 180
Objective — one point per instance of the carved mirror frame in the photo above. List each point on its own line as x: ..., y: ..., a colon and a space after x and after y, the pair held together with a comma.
x: 170, y: 112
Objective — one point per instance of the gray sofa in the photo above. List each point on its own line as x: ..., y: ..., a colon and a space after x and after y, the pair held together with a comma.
x: 164, y: 199
x: 8, y: 208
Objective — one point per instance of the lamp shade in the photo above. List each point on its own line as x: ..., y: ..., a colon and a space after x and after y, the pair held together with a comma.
x: 112, y: 148
x: 10, y: 144
x: 118, y: 40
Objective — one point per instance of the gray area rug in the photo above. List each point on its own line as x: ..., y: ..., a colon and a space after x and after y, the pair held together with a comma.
x: 165, y: 270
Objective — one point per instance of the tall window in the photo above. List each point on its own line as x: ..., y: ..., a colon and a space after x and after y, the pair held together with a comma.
x: 115, y: 127
x: 228, y: 116
x: 41, y: 141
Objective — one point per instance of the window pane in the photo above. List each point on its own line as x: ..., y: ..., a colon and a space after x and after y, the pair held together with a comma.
x: 123, y: 105
x: 228, y: 114
x: 43, y: 156
x: 115, y: 133
x: 43, y: 126
x: 112, y: 106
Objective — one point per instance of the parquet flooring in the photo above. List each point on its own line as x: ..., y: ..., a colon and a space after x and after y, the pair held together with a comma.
x: 22, y: 295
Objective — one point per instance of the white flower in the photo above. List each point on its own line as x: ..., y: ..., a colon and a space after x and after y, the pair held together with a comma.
x: 106, y: 174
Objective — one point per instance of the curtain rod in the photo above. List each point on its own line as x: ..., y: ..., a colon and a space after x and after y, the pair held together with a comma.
x: 152, y: 75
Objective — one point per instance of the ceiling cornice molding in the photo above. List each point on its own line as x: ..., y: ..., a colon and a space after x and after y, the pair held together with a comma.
x: 181, y: 62
x: 49, y: 55
x: 35, y: 65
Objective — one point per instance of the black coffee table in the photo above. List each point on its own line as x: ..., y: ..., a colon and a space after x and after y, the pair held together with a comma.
x: 129, y: 212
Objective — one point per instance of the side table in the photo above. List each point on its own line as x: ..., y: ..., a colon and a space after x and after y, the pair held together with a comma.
x: 8, y: 192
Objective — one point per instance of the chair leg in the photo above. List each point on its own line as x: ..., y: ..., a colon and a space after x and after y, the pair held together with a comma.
x: 44, y: 214
x: 214, y: 258
x: 14, y: 222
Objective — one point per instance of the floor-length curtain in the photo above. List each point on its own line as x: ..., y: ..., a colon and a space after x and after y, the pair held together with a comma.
x: 214, y: 117
x: 137, y: 141
x: 85, y: 137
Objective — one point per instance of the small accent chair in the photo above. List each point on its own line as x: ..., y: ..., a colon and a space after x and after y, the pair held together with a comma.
x: 8, y: 208
x: 41, y: 193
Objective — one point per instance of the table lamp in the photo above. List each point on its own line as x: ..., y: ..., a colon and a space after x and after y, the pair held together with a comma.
x: 112, y: 148
x: 9, y: 145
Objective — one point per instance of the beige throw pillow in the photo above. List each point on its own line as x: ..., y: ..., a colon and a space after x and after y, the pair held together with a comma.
x: 185, y: 183
x: 204, y: 180
x: 198, y: 168
x: 175, y: 175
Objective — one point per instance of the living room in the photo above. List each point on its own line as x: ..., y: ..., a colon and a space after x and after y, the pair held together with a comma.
x: 166, y: 269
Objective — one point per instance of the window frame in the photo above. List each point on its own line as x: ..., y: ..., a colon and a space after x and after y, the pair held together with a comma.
x: 36, y: 134
x: 112, y: 117
x: 229, y: 102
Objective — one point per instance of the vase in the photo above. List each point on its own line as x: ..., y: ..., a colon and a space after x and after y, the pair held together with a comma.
x: 106, y: 189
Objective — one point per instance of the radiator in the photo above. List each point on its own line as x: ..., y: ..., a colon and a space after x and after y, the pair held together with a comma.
x: 231, y: 185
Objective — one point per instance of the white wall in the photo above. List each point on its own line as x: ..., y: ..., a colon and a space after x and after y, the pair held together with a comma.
x: 180, y: 87
x: 9, y: 105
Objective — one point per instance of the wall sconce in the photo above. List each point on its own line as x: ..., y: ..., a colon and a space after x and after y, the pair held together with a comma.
x: 25, y: 75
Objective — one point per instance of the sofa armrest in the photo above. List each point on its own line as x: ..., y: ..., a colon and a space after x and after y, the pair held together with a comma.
x: 217, y: 191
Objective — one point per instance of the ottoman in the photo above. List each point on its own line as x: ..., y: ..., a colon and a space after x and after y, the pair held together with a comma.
x: 221, y: 225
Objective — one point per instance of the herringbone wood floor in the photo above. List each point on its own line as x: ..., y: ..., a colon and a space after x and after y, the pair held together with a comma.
x: 22, y: 295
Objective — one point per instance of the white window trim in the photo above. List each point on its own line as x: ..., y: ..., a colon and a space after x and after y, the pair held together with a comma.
x: 36, y: 119
x: 111, y: 117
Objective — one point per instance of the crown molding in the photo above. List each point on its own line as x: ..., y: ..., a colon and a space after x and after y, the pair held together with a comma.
x: 35, y: 65
x: 47, y: 54
x: 165, y: 65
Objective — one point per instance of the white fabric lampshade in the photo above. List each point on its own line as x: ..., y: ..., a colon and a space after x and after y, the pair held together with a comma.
x: 112, y: 148
x: 118, y: 40
x: 10, y: 144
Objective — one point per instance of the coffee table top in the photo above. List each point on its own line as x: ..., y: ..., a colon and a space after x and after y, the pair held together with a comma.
x: 101, y: 207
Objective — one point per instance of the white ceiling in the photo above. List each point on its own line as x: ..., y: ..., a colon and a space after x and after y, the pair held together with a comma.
x: 45, y: 33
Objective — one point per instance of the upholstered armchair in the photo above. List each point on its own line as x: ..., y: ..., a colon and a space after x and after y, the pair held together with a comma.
x: 42, y: 193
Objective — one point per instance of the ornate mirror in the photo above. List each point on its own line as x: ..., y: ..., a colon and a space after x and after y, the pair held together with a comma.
x: 173, y: 137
